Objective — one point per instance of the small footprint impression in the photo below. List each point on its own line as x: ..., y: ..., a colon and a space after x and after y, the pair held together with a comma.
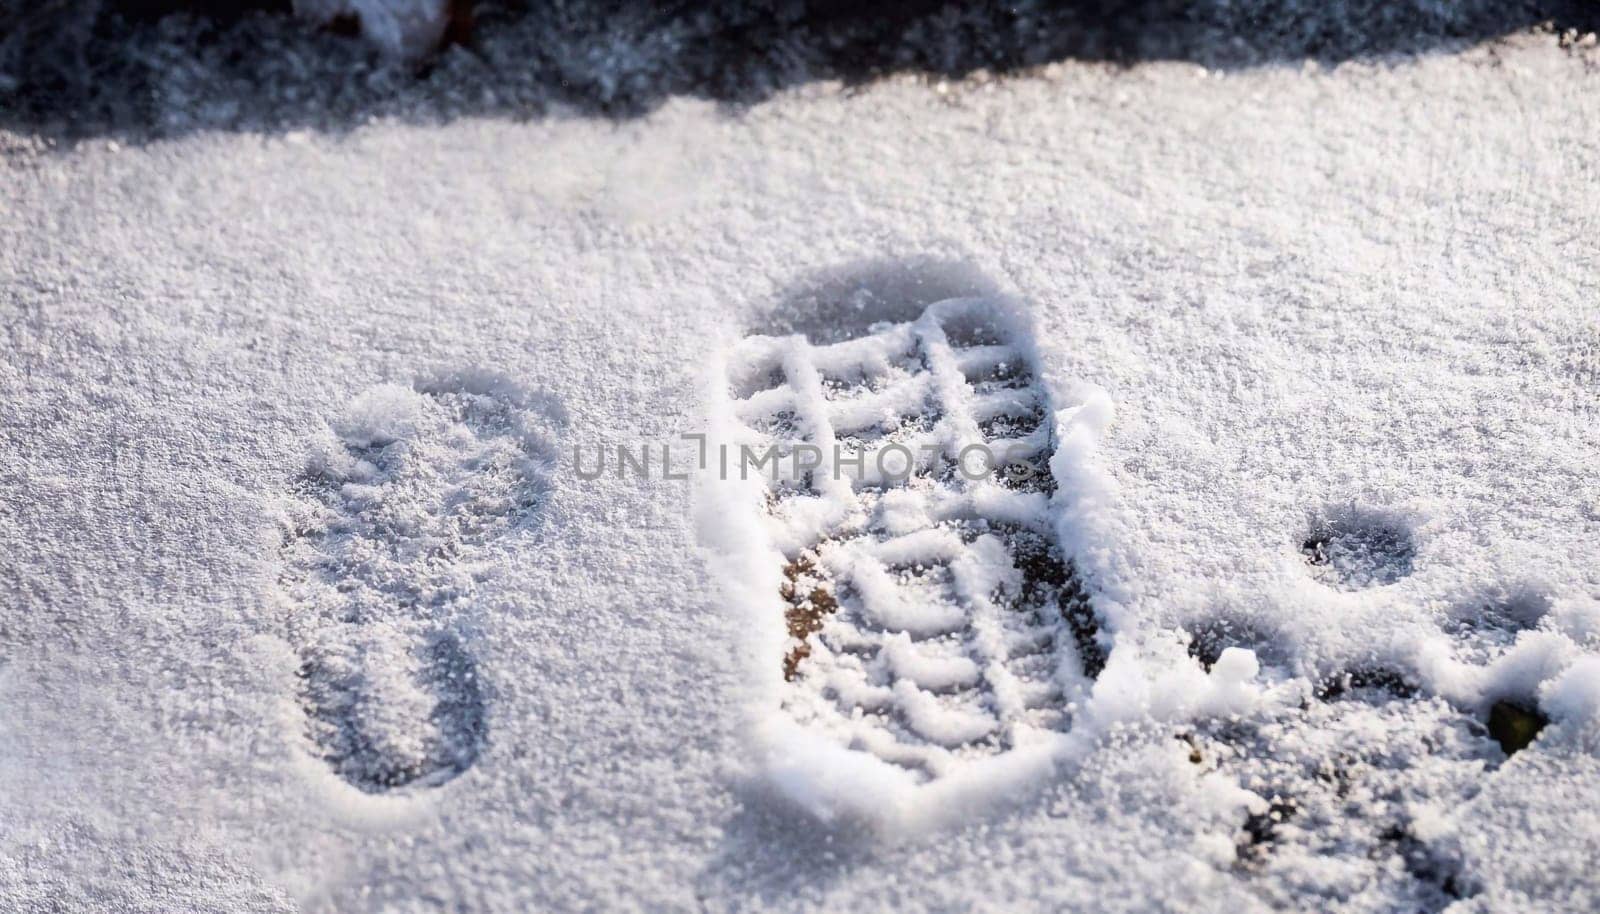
x: 396, y: 522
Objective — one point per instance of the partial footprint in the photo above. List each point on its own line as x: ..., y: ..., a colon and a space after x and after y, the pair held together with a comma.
x: 1349, y: 780
x: 934, y: 631
x: 1353, y: 548
x: 1352, y: 770
x: 395, y: 526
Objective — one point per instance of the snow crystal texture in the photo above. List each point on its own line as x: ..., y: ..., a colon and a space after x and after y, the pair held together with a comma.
x: 303, y: 605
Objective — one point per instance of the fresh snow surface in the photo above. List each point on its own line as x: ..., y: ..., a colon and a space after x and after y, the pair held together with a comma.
x: 310, y: 601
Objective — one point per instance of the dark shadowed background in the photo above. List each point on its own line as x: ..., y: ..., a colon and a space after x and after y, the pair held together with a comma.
x: 142, y: 68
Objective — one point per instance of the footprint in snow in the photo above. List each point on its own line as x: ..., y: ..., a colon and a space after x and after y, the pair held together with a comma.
x: 935, y: 627
x: 1343, y: 774
x: 396, y: 523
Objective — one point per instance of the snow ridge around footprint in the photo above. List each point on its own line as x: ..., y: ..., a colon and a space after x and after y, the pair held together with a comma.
x: 395, y: 524
x: 922, y: 624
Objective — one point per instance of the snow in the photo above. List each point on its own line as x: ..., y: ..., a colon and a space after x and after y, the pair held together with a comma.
x: 407, y: 29
x: 1574, y: 698
x: 912, y: 638
x: 383, y: 415
x: 1353, y: 307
